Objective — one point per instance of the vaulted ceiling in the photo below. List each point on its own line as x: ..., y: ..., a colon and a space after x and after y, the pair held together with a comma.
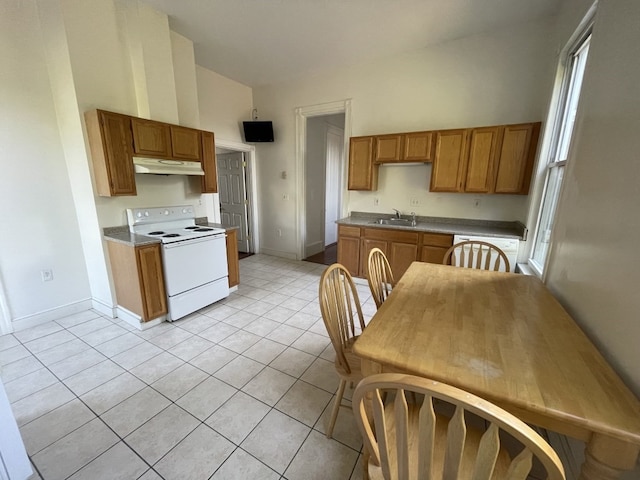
x: 260, y: 42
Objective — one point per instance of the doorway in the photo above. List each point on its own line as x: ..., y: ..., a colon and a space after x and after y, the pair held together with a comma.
x: 322, y: 133
x: 323, y: 181
x: 237, y: 191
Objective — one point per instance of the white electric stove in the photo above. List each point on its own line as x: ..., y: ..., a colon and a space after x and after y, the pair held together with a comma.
x: 194, y: 257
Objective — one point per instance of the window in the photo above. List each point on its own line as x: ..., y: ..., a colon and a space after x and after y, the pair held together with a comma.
x: 561, y: 141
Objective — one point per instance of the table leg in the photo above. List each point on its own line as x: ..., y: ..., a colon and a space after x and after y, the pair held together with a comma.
x: 607, y: 458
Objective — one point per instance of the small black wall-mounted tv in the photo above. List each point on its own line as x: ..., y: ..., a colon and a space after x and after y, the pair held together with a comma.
x: 258, y: 131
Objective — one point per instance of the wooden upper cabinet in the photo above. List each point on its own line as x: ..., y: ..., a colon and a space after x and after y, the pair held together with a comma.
x: 185, y: 143
x: 210, y: 179
x: 418, y: 147
x: 389, y: 148
x: 517, y: 154
x: 151, y: 138
x: 449, y: 161
x: 111, y: 143
x: 404, y: 147
x: 481, y: 160
x: 363, y: 174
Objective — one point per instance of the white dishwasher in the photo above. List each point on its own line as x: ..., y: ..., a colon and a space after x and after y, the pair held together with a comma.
x: 508, y: 245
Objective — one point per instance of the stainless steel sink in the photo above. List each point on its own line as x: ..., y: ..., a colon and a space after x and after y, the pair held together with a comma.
x: 398, y: 222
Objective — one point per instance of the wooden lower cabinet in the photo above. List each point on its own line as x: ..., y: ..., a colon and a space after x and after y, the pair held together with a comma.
x: 349, y: 248
x: 138, y: 279
x: 233, y: 263
x: 434, y: 246
x: 401, y: 247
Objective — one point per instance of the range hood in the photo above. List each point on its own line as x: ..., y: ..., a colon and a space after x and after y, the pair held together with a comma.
x: 160, y: 166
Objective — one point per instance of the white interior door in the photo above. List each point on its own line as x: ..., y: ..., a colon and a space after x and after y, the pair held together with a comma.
x: 334, y: 151
x: 232, y: 190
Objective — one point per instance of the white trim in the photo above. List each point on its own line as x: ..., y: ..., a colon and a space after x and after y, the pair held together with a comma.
x: 279, y: 253
x: 301, y: 115
x: 104, y: 308
x: 29, y: 321
x: 5, y: 313
x: 136, y: 321
x: 252, y: 188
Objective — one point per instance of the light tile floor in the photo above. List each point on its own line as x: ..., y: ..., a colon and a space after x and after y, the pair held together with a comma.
x: 241, y: 389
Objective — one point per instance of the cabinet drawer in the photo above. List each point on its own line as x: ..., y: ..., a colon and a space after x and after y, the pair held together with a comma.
x: 344, y: 231
x: 391, y: 235
x: 437, y: 239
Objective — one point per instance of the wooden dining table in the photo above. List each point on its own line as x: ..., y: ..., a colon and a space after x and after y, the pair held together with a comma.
x: 505, y: 338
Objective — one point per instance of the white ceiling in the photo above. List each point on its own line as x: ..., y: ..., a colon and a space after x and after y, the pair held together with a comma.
x: 260, y: 42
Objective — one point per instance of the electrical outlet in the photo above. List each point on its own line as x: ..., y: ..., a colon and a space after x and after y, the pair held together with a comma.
x: 476, y: 203
x: 414, y: 202
x: 285, y: 196
x: 47, y: 275
x: 376, y: 202
x: 279, y: 232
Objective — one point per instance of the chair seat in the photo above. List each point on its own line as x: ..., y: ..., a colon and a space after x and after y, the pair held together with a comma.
x: 469, y: 456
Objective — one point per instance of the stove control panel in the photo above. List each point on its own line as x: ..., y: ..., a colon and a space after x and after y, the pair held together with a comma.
x: 143, y: 216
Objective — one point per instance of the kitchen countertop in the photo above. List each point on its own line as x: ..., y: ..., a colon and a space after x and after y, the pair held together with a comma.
x: 453, y: 226
x: 121, y: 233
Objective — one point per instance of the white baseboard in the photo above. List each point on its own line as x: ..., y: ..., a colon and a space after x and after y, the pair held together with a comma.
x: 278, y: 253
x: 136, y: 321
x: 105, y: 309
x: 28, y: 321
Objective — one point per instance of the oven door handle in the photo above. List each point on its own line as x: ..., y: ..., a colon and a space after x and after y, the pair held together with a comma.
x: 185, y: 243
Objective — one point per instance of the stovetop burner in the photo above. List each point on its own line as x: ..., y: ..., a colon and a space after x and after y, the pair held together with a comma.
x: 205, y: 229
x: 171, y: 235
x: 193, y: 227
x: 159, y: 232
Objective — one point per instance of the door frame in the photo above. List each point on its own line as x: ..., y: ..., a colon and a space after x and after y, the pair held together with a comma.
x: 5, y: 314
x: 253, y: 221
x: 302, y: 113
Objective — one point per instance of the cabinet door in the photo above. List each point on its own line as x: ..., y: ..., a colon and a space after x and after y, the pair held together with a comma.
x: 418, y: 147
x: 185, y: 143
x: 369, y: 244
x: 363, y: 174
x: 516, y: 158
x: 448, y: 161
x: 154, y: 300
x: 233, y: 264
x: 401, y: 255
x: 388, y: 148
x: 431, y: 254
x: 349, y: 254
x: 481, y: 160
x: 111, y: 150
x: 150, y: 138
x: 210, y: 179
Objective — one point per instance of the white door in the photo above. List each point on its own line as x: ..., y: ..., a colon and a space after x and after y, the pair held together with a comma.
x: 333, y: 187
x: 232, y: 190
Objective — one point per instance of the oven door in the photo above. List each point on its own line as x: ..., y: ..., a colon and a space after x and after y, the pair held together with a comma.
x: 192, y: 263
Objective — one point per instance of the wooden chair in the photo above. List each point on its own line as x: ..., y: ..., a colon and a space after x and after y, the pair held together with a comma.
x: 379, y: 276
x: 413, y: 442
x: 340, y: 305
x: 476, y: 254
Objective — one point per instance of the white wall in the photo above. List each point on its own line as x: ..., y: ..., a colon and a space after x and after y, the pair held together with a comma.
x: 594, y: 262
x: 224, y: 104
x: 61, y: 58
x: 39, y: 229
x: 496, y: 78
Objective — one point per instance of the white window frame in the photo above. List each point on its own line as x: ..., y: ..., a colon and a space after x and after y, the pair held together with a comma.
x: 573, y: 64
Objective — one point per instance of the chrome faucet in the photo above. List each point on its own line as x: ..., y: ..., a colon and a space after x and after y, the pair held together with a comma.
x: 397, y: 213
x: 413, y: 219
